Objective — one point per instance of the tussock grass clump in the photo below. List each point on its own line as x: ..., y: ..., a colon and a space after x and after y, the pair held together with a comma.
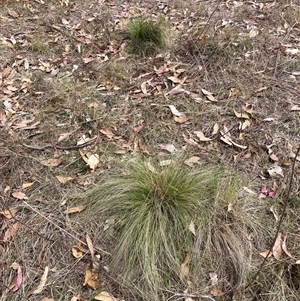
x: 147, y: 37
x: 153, y: 209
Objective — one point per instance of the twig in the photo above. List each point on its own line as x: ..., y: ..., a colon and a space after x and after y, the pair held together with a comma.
x: 280, y: 220
x: 57, y: 226
x: 186, y: 295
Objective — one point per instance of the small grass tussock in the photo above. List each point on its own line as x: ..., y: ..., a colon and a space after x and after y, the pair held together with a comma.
x: 154, y: 207
x: 146, y: 37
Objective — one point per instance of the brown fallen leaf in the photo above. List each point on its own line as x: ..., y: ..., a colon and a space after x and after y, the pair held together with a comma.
x: 19, y: 278
x: 241, y: 114
x: 90, y: 246
x: 47, y: 299
x: 105, y: 296
x: 11, y: 231
x: 75, y: 209
x: 76, y: 252
x: 27, y: 185
x: 181, y: 119
x: 277, y: 248
x: 185, y: 270
x: 107, y: 132
x: 51, y: 162
x: 192, y: 160
x: 265, y: 253
x: 215, y: 129
x: 42, y: 283
x: 175, y: 111
x: 91, y: 278
x: 285, y: 249
x: 209, y: 95
x: 10, y: 213
x: 201, y: 136
x: 64, y: 180
x: 19, y: 195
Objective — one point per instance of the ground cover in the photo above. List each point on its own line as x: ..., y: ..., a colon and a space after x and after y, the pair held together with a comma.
x: 78, y: 103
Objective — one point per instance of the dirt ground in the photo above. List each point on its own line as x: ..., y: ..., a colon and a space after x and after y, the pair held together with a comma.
x: 74, y: 103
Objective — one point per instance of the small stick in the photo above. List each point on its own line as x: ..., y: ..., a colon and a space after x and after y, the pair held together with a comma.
x: 185, y: 295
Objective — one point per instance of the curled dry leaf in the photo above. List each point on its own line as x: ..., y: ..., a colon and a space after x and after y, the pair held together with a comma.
x: 201, y: 136
x: 209, y: 95
x: 248, y: 108
x: 91, y: 278
x: 175, y: 111
x: 76, y: 252
x: 245, y: 124
x: 215, y: 129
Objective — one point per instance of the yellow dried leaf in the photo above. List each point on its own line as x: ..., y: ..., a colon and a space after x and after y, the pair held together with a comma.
x: 91, y: 279
x: 27, y: 185
x: 76, y: 252
x: 75, y: 209
x: 265, y: 253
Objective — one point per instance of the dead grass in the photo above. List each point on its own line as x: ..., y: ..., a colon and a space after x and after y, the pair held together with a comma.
x: 249, y: 47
